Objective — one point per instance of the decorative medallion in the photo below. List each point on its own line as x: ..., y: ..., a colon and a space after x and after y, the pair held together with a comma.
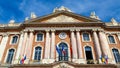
x: 62, y: 35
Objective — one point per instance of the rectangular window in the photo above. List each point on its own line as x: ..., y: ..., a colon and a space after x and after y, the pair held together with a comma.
x: 39, y: 37
x: 111, y: 39
x: 86, y: 37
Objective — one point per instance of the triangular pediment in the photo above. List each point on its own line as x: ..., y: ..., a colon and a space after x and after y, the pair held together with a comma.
x: 62, y: 16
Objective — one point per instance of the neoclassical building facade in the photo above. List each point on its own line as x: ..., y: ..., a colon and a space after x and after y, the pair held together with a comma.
x: 83, y: 39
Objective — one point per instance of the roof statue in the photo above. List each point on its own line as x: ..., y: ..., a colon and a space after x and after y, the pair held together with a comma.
x: 11, y: 21
x: 27, y: 18
x: 114, y: 22
x: 62, y: 8
x: 93, y: 15
x: 33, y: 15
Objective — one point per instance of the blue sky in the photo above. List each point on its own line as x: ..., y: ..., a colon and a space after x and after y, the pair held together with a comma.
x: 19, y: 9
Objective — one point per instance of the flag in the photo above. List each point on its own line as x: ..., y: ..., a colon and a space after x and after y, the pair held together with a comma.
x: 106, y: 59
x: 103, y: 59
x: 19, y: 59
x: 22, y: 60
x: 63, y: 50
x: 58, y: 50
x: 25, y: 57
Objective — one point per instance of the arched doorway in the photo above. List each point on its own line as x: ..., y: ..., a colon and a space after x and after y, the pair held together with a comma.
x: 88, y: 52
x: 116, y: 55
x: 63, y: 56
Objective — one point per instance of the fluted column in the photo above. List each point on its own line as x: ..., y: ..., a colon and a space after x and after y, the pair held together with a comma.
x: 53, y: 45
x: 79, y: 45
x: 24, y: 44
x: 47, y: 46
x: 3, y: 45
x: 29, y: 47
x: 19, y: 48
x: 74, y: 47
x: 97, y: 44
x: 104, y: 45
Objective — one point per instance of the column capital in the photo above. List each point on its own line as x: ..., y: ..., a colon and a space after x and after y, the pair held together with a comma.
x: 118, y: 33
x: 100, y: 30
x: 72, y: 30
x: 94, y: 30
x: 47, y: 30
x: 5, y: 34
x: 25, y: 30
x: 77, y: 30
x: 31, y: 30
x: 52, y: 30
x: 21, y: 32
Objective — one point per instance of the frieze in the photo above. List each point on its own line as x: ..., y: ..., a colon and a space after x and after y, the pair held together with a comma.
x: 64, y: 28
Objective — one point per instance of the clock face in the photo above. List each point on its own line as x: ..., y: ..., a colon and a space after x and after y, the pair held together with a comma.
x: 62, y: 35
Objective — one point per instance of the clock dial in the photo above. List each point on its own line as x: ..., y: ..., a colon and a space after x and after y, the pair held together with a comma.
x: 62, y: 35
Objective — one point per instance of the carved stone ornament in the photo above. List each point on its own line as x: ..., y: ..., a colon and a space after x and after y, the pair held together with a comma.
x: 63, y: 65
x: 62, y: 35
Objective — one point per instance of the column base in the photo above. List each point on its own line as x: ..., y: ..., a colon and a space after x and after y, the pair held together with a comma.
x: 26, y: 61
x: 48, y: 61
x: 111, y: 61
x: 16, y: 61
x: 79, y: 61
x: 99, y: 61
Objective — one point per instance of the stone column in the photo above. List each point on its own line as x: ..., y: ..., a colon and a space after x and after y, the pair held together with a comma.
x: 47, y: 48
x: 105, y: 47
x: 19, y: 48
x: 97, y: 45
x: 28, y: 49
x: 79, y: 45
x: 3, y: 45
x: 74, y: 47
x: 52, y: 46
x: 79, y: 48
x: 22, y: 53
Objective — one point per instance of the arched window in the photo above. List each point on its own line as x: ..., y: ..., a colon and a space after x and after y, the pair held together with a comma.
x: 14, y: 39
x: 86, y: 37
x: 10, y: 56
x: 111, y: 39
x: 37, y: 53
x: 88, y: 52
x: 63, y: 56
x: 39, y: 37
x: 116, y: 55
